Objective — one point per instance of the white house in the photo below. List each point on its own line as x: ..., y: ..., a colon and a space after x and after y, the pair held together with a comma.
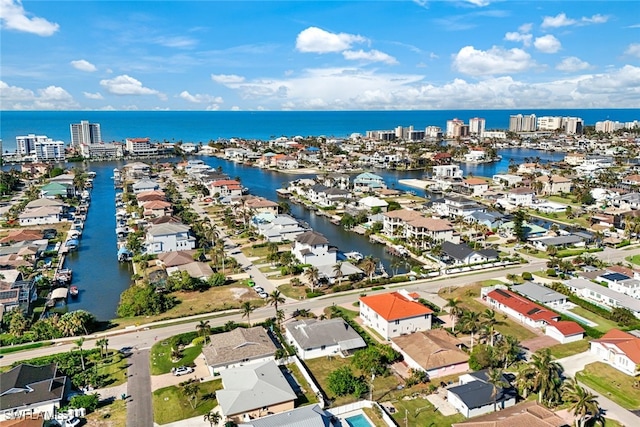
x: 313, y: 338
x: 145, y: 185
x: 520, y: 196
x: 446, y: 171
x: 368, y: 182
x: 278, y: 228
x: 554, y: 184
x: 41, y: 215
x: 313, y: 248
x: 169, y: 237
x: 395, y: 313
x: 602, y: 295
x: 620, y: 350
x: 564, y: 331
x: 507, y: 180
x: 371, y: 202
x: 238, y: 347
x: 474, y: 396
x: 476, y: 186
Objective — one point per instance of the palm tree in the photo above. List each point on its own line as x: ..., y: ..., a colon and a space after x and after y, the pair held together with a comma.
x: 274, y: 299
x: 583, y: 403
x: 490, y: 322
x: 79, y: 343
x: 508, y: 348
x: 495, y: 377
x: 337, y: 272
x: 203, y: 329
x: 312, y: 275
x: 369, y: 266
x: 455, y: 311
x: 213, y: 417
x: 247, y: 308
x: 471, y: 323
x: 546, y: 375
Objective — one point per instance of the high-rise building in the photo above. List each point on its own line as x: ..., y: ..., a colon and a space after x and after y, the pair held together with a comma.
x: 456, y: 128
x: 26, y: 145
x: 550, y: 123
x: 476, y: 126
x: 48, y: 150
x: 572, y: 125
x: 520, y: 123
x: 85, y: 134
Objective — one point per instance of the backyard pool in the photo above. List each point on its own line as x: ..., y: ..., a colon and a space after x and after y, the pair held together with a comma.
x: 358, y: 421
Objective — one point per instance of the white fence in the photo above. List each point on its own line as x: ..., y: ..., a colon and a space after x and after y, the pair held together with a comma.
x: 310, y: 380
x: 351, y: 407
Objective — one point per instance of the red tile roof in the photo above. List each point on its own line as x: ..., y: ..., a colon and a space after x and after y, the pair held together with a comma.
x: 394, y: 306
x: 627, y: 343
x: 567, y: 327
x: 522, y: 305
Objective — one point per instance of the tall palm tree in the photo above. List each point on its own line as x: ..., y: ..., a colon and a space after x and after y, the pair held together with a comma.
x: 471, y: 323
x: 213, y: 417
x: 546, y: 376
x: 203, y: 329
x: 509, y: 349
x: 495, y: 377
x: 369, y: 266
x: 337, y: 272
x: 489, y: 322
x: 583, y: 403
x: 274, y: 299
x: 455, y: 310
x: 247, y: 308
x: 79, y: 343
x: 312, y: 275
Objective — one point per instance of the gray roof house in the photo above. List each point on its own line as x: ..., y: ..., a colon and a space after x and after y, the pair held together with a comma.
x: 473, y: 396
x: 254, y: 391
x: 145, y: 184
x: 313, y: 338
x: 462, y: 254
x: 305, y: 416
x: 540, y: 293
x: 28, y: 389
x: 237, y: 348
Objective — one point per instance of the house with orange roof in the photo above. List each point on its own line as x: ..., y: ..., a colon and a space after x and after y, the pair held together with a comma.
x: 475, y: 186
x: 226, y: 187
x: 155, y: 208
x: 21, y: 235
x: 619, y: 349
x: 395, y: 313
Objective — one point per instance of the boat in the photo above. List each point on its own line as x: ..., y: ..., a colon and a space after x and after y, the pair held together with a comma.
x: 73, y: 291
x: 355, y: 256
x: 63, y: 275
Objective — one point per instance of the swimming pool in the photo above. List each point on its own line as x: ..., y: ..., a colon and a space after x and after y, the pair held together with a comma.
x: 358, y: 421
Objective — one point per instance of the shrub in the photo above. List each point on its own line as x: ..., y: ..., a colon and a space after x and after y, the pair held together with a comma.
x: 87, y: 401
x: 527, y: 276
x: 551, y: 272
x: 197, y: 341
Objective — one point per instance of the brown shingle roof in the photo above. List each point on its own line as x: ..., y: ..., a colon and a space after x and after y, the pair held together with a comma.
x: 238, y: 345
x: 432, y: 349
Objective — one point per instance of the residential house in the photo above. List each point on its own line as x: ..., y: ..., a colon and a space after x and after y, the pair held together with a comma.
x: 462, y: 254
x: 517, y: 197
x: 155, y: 208
x: 225, y: 188
x: 446, y: 171
x: 366, y: 182
x: 435, y: 352
x: 304, y: 416
x: 530, y: 230
x: 395, y: 313
x: 286, y: 162
x: 21, y: 235
x: 423, y: 232
x: 565, y: 331
x: 195, y: 269
x: 174, y: 259
x: 619, y: 349
x: 474, y: 395
x: 41, y: 215
x: 491, y: 220
x: 554, y: 184
x: 575, y: 159
x: 137, y: 170
x: 169, y: 237
x: 254, y: 391
x: 327, y: 196
x: 140, y: 147
x: 557, y: 242
x: 313, y: 248
x: 528, y: 413
x: 279, y: 228
x: 145, y: 185
x: 27, y: 390
x: 337, y: 180
x: 455, y: 206
x: 318, y: 338
x: 149, y: 196
x: 602, y: 295
x: 237, y: 348
x: 550, y: 207
x: 55, y: 190
x: 627, y: 201
x: 541, y: 294
x: 506, y: 180
x: 16, y: 293
x: 370, y: 202
x: 475, y: 186
x: 261, y: 205
x: 394, y: 221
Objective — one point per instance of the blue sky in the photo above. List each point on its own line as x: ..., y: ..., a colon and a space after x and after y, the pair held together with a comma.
x: 319, y: 55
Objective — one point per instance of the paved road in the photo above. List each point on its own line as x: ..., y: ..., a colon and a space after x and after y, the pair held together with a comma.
x: 140, y: 406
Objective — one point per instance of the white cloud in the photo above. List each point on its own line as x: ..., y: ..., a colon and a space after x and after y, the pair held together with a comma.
x: 126, y: 85
x: 49, y: 98
x: 14, y: 17
x: 561, y: 20
x: 494, y: 61
x: 572, y: 64
x: 84, y: 65
x: 525, y: 28
x: 199, y: 98
x: 316, y: 40
x: 633, y: 49
x: 90, y: 95
x: 547, y: 44
x: 227, y: 79
x: 479, y: 3
x: 519, y: 37
x: 369, y: 56
x: 180, y: 42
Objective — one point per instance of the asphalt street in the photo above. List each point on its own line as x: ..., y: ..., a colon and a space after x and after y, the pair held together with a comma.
x: 139, y: 403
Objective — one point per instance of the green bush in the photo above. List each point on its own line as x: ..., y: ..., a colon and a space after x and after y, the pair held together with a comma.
x: 87, y: 401
x: 527, y: 276
x: 314, y: 294
x: 197, y: 341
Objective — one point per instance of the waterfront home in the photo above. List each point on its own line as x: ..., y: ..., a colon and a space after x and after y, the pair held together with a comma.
x: 313, y: 248
x: 507, y: 180
x: 371, y: 202
x: 16, y: 293
x: 475, y: 186
x: 474, y: 394
x: 338, y: 180
x: 415, y: 227
x: 21, y: 235
x: 395, y: 313
x: 148, y: 196
x: 238, y: 347
x: 254, y: 391
x: 455, y: 206
x: 620, y: 350
x: 195, y: 269
x: 602, y: 295
x: 261, y: 205
x: 55, y: 190
x: 140, y: 147
x: 279, y: 228
x: 575, y: 159
x: 491, y: 220
x: 145, y: 185
x: 319, y: 338
x: 225, y: 188
x: 517, y: 197
x: 169, y: 237
x: 553, y: 184
x: 156, y: 208
x: 174, y: 259
x: 136, y: 170
x: 475, y: 156
x: 627, y: 201
x: 446, y: 171
x: 286, y: 162
x: 435, y: 352
x: 32, y: 391
x: 41, y: 215
x: 461, y: 254
x: 327, y: 196
x: 36, y: 170
x: 366, y: 182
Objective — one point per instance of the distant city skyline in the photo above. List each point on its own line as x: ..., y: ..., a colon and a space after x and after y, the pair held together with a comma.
x: 329, y: 55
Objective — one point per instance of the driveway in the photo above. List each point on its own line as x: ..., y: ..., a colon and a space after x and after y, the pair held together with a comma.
x: 577, y: 362
x: 535, y: 344
x: 165, y: 380
x: 140, y: 406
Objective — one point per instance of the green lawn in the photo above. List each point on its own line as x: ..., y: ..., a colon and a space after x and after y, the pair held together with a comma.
x: 633, y: 259
x: 612, y: 384
x: 420, y: 412
x: 296, y: 292
x: 115, y: 367
x: 604, y: 325
x: 161, y: 357
x: 113, y: 414
x: 309, y: 396
x: 170, y: 403
x: 564, y: 350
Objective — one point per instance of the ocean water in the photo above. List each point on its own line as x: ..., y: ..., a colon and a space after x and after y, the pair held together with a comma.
x: 203, y: 126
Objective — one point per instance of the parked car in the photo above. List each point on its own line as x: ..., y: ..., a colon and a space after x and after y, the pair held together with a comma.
x: 258, y: 289
x: 182, y: 370
x: 251, y: 283
x: 73, y: 422
x: 263, y: 294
